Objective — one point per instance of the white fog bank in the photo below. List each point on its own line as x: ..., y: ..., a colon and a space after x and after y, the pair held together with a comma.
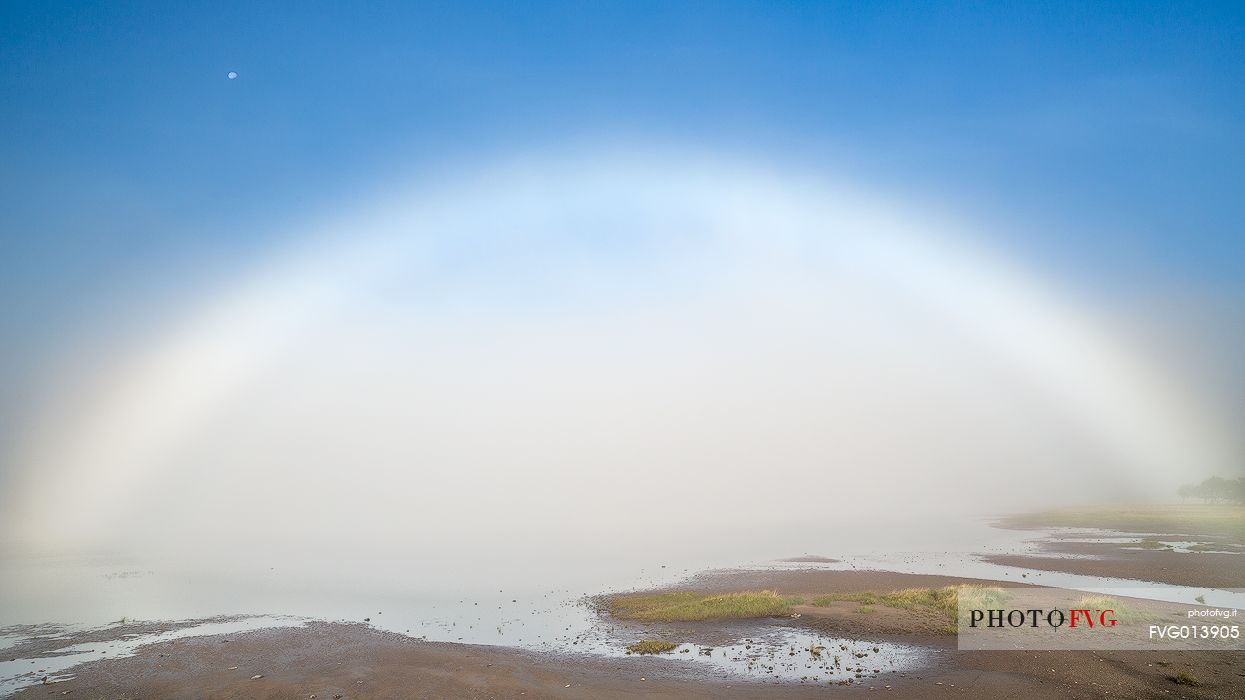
x: 600, y: 351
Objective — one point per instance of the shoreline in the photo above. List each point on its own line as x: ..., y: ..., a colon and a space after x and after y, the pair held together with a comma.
x: 353, y: 660
x: 350, y: 660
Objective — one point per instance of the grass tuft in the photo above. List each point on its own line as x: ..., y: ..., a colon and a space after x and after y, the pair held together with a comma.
x: 651, y: 646
x: 1183, y: 678
x: 943, y: 602
x: 1123, y: 613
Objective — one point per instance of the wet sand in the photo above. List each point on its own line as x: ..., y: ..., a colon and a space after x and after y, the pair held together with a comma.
x: 356, y: 661
x: 353, y: 661
x: 1157, y: 566
x: 1212, y: 526
x: 337, y: 660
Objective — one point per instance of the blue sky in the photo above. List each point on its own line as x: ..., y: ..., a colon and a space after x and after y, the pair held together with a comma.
x: 1111, y: 134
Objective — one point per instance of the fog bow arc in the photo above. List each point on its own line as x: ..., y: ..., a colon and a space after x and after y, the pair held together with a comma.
x: 839, y: 315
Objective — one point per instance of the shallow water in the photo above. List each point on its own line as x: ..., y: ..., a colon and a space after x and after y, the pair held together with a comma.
x: 401, y: 585
x: 490, y: 600
x: 18, y: 672
x: 787, y: 654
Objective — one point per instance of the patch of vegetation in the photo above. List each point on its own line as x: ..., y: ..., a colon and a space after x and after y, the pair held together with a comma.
x: 1123, y: 613
x: 943, y: 602
x: 1201, y: 599
x: 1183, y: 678
x: 651, y: 646
x: 691, y: 606
x: 982, y: 597
x: 864, y: 598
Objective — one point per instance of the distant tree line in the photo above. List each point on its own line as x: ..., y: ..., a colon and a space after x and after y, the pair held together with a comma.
x: 1215, y: 490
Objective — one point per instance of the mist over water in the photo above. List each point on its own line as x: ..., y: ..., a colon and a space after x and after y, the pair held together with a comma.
x: 574, y: 373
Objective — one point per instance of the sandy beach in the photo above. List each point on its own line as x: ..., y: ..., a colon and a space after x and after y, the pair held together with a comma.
x: 325, y: 660
x: 1182, y: 569
x: 905, y: 650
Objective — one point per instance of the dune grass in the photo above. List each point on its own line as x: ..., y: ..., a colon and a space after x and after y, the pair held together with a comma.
x: 1125, y: 614
x: 690, y: 606
x: 1183, y: 678
x: 943, y: 602
x: 651, y: 646
x: 982, y: 597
